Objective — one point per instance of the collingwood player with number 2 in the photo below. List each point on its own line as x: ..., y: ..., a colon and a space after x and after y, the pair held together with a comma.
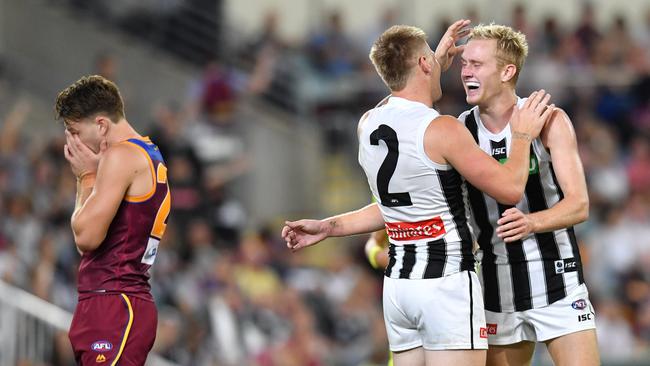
x: 531, y: 271
x: 413, y: 158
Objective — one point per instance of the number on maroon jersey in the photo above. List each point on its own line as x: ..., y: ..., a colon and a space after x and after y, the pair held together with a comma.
x: 160, y: 223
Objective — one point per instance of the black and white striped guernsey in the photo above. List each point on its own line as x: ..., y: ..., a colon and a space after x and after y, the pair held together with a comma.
x: 543, y: 267
x: 423, y: 203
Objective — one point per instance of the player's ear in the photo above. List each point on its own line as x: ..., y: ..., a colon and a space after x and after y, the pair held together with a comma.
x: 508, y: 73
x: 102, y: 124
x: 424, y: 64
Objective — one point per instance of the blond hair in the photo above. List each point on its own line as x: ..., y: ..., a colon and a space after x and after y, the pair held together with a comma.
x: 512, y: 47
x: 393, y: 53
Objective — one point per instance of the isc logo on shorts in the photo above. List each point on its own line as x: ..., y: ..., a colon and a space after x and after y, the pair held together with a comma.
x: 491, y: 328
x: 101, y: 346
x: 584, y: 317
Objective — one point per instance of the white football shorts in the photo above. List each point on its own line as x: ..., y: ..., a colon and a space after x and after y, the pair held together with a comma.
x: 572, y: 314
x: 443, y: 313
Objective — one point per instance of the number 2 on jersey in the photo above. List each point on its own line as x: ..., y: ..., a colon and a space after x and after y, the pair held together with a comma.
x: 160, y: 222
x: 387, y: 168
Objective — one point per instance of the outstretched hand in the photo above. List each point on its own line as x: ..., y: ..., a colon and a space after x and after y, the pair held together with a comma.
x: 447, y: 47
x: 303, y: 233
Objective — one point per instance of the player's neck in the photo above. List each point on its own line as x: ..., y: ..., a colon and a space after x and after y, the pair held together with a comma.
x: 415, y: 94
x: 121, y: 131
x: 496, y: 112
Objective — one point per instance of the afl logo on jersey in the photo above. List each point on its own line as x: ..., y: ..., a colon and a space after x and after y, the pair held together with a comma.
x: 579, y: 304
x: 101, y: 346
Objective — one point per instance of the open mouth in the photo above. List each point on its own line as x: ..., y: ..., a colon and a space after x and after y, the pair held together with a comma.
x: 472, y: 85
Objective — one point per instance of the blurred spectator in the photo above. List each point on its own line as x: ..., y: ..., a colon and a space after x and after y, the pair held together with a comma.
x: 332, y: 52
x: 520, y: 22
x: 615, y: 337
x: 106, y: 65
x: 586, y: 32
x: 638, y: 166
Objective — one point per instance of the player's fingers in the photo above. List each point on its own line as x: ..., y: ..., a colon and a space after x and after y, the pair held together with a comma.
x: 530, y: 98
x: 510, y: 233
x: 509, y: 211
x: 81, y: 147
x: 502, y: 228
x: 539, y: 108
x: 548, y: 112
x: 534, y: 101
x: 76, y: 146
x: 505, y: 219
x: 69, y: 139
x: 538, y: 98
x: 462, y: 33
x: 455, y: 27
x: 293, y: 225
x: 457, y: 50
x: 460, y: 23
x: 510, y: 217
x: 513, y: 238
x: 285, y: 231
x: 443, y: 47
x: 66, y: 152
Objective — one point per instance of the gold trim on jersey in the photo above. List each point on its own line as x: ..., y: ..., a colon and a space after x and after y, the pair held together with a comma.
x: 144, y: 197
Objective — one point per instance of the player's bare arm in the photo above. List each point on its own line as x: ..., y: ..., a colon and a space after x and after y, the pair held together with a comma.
x: 303, y: 233
x: 446, y: 140
x: 116, y: 170
x: 559, y: 137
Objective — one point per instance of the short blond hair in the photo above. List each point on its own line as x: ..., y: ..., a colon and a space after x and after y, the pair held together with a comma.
x: 393, y: 54
x: 512, y: 47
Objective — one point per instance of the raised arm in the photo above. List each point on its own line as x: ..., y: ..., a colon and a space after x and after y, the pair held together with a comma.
x: 304, y: 233
x: 100, y: 191
x: 446, y: 140
x: 559, y: 137
x: 447, y: 48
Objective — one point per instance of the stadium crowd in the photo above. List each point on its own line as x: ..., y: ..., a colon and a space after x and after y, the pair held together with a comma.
x: 234, y: 295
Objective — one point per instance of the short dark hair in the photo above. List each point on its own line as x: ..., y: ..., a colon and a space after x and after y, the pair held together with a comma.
x: 88, y: 96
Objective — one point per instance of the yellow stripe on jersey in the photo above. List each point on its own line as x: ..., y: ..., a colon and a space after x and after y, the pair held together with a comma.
x: 126, y: 332
x: 162, y: 174
x: 159, y: 224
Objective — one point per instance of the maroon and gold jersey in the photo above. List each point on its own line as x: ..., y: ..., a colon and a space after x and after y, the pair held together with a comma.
x: 121, y: 262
